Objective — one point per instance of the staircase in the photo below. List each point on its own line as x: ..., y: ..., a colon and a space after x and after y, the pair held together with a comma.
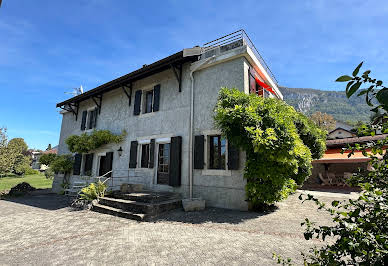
x: 140, y: 206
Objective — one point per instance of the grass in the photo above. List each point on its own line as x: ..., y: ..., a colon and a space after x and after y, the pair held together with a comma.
x: 36, y: 180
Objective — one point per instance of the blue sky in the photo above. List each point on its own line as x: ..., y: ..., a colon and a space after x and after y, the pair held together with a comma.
x: 49, y: 47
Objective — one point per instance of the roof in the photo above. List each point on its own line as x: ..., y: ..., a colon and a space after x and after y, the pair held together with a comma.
x: 343, y: 142
x: 178, y: 58
x: 338, y: 128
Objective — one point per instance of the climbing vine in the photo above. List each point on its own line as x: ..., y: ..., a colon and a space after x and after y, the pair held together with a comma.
x: 85, y: 143
x: 279, y: 142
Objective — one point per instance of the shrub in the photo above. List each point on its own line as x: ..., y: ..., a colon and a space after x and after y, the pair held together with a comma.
x: 279, y: 143
x: 62, y: 163
x: 21, y: 164
x: 47, y: 158
x: 93, y: 191
x: 30, y: 171
x: 84, y: 143
x: 49, y: 173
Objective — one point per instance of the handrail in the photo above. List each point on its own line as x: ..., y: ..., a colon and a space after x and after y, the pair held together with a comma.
x: 236, y: 36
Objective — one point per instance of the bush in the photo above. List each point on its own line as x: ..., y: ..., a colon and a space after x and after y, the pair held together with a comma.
x: 30, y: 171
x: 62, y: 163
x: 93, y: 191
x: 21, y: 164
x: 279, y: 143
x: 49, y: 173
x: 20, y: 189
x: 47, y: 158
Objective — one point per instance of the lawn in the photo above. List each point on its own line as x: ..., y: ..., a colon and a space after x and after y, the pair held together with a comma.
x: 36, y: 180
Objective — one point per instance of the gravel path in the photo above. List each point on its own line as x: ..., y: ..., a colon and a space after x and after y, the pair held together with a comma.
x: 41, y: 230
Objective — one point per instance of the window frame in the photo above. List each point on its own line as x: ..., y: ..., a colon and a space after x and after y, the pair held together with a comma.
x: 144, y: 94
x: 87, y: 122
x: 211, y: 158
x: 168, y: 156
x: 142, y: 145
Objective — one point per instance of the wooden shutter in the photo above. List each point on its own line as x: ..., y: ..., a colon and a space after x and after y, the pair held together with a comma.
x: 175, y: 161
x: 108, y: 163
x: 91, y: 119
x: 83, y: 122
x: 233, y: 157
x: 137, y: 105
x: 156, y: 98
x: 152, y: 154
x: 133, y: 155
x: 199, y: 145
x: 95, y: 118
x: 88, y: 162
x: 77, y: 164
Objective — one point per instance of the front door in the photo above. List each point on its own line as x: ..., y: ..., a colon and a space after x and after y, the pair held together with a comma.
x: 106, y: 163
x: 163, y: 163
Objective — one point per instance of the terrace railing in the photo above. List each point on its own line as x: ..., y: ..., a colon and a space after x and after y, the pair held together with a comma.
x: 233, y: 40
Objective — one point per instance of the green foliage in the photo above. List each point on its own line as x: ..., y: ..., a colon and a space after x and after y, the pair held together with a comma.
x: 21, y: 164
x: 49, y: 173
x: 359, y: 231
x: 47, y: 158
x: 30, y: 171
x: 18, y: 145
x: 85, y: 143
x: 7, y: 156
x: 277, y: 141
x: 62, y: 163
x: 93, y: 191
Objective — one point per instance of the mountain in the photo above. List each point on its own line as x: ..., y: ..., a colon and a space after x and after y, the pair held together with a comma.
x: 334, y: 103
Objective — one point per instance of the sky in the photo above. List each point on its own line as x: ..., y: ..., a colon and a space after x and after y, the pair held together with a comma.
x: 49, y: 47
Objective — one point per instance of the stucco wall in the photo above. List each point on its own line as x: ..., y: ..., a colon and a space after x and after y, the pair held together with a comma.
x: 224, y: 189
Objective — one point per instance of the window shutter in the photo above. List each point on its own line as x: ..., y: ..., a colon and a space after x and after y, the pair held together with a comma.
x: 77, y: 164
x: 83, y: 122
x: 95, y: 118
x: 88, y: 162
x: 233, y: 157
x: 137, y: 105
x: 91, y: 119
x: 152, y: 154
x: 175, y: 161
x: 199, y: 144
x: 133, y: 155
x: 108, y: 163
x: 156, y: 98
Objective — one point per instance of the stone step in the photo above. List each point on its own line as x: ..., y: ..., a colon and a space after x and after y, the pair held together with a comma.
x: 119, y: 212
x: 147, y: 196
x: 141, y: 207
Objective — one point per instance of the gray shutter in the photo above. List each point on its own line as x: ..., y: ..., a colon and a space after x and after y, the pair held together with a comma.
x: 233, y: 157
x: 156, y: 98
x: 95, y: 118
x: 83, y: 122
x: 199, y: 145
x: 175, y: 161
x: 88, y: 162
x: 77, y: 164
x: 108, y: 163
x: 152, y: 154
x: 137, y: 105
x: 133, y: 155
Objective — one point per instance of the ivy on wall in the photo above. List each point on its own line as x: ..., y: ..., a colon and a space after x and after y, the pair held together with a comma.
x: 85, y: 142
x: 279, y: 142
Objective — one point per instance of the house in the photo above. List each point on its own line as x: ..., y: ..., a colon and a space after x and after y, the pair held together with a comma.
x: 35, y: 155
x: 334, y: 167
x: 341, y: 131
x: 166, y: 109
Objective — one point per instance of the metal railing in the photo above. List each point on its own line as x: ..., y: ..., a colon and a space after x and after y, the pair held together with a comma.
x: 119, y: 174
x: 237, y: 38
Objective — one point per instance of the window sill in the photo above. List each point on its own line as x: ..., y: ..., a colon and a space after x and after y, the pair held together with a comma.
x: 217, y: 172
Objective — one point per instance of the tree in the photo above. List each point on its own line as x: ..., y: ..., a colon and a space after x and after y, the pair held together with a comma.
x: 21, y: 164
x: 360, y: 226
x: 47, y: 158
x: 323, y: 120
x: 48, y: 147
x: 279, y: 142
x: 18, y: 145
x: 6, y: 156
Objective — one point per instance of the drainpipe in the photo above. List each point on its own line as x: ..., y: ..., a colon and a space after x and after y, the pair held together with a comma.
x: 191, y: 130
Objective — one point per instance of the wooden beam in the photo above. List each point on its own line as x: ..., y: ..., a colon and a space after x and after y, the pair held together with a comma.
x: 99, y: 97
x: 128, y: 93
x: 73, y: 108
x: 178, y: 75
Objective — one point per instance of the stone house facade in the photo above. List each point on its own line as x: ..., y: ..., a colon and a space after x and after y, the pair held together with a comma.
x: 166, y: 109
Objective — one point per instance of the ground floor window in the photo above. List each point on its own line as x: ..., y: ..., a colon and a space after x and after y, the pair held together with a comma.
x: 217, y: 154
x: 145, y: 155
x: 163, y: 163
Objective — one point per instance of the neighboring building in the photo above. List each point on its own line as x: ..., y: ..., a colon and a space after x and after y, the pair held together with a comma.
x: 167, y: 110
x: 334, y: 166
x: 340, y: 133
x: 35, y: 158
